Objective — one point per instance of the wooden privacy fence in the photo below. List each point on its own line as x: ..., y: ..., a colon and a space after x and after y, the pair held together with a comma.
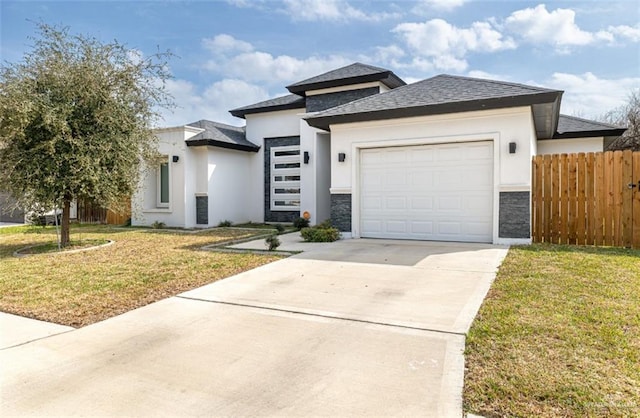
x: 587, y: 199
x: 90, y: 212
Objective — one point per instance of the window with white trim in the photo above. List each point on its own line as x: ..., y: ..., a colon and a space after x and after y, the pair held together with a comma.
x: 285, y: 178
x: 162, y: 182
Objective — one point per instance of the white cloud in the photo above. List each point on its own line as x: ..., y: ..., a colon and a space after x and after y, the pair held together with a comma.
x: 247, y: 76
x: 624, y: 31
x: 559, y: 28
x: 329, y: 10
x: 274, y: 70
x: 488, y: 76
x: 591, y: 96
x: 224, y: 43
x: 213, y: 103
x: 387, y: 54
x: 539, y: 25
x: 446, y: 45
x: 426, y: 6
x: 233, y: 58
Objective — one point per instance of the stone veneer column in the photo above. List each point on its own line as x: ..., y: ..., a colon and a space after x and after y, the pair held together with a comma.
x: 515, y: 215
x: 341, y: 211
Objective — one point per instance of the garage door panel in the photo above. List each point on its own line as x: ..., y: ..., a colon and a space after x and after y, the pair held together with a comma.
x: 478, y: 228
x: 396, y: 203
x: 421, y: 178
x: 371, y: 203
x: 397, y: 227
x: 374, y: 226
x: 422, y: 228
x: 428, y: 192
x: 422, y: 203
x: 395, y: 178
x: 449, y: 228
x: 422, y: 155
x: 448, y: 153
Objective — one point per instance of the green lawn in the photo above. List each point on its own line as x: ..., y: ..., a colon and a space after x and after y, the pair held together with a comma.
x: 142, y: 266
x: 558, y: 335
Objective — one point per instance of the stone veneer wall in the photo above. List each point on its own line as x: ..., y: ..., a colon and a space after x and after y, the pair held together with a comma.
x: 515, y: 215
x: 319, y: 102
x: 341, y: 211
x: 276, y: 215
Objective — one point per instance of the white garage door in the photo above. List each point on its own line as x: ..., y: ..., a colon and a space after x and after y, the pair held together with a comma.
x: 430, y: 192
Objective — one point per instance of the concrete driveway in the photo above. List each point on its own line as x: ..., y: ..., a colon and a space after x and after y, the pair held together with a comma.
x: 353, y: 328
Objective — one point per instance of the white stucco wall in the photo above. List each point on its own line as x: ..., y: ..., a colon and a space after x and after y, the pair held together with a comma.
x: 323, y: 177
x: 171, y: 142
x: 511, y: 171
x: 260, y: 126
x: 227, y: 175
x: 568, y: 146
x: 315, y: 176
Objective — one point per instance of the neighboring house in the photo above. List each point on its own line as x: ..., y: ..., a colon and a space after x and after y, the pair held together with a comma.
x: 447, y: 158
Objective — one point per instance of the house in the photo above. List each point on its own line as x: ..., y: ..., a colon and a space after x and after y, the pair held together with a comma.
x: 447, y: 158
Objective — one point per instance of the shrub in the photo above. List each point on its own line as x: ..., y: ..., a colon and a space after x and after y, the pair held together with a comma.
x: 279, y: 228
x: 272, y: 242
x: 224, y: 224
x: 158, y: 225
x: 300, y: 223
x: 323, y: 232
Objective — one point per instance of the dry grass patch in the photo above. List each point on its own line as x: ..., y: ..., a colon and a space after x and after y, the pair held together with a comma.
x: 141, y: 267
x: 558, y: 335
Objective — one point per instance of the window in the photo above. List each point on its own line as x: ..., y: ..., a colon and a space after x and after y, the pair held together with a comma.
x: 285, y: 178
x: 163, y: 185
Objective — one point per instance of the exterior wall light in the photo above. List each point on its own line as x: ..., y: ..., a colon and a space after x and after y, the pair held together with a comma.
x: 341, y: 157
x: 512, y: 147
x: 175, y: 158
x: 306, y: 157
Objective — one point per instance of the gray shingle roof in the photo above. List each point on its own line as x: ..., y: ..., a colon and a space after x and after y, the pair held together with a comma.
x: 351, y: 74
x: 290, y: 101
x: 217, y: 134
x: 574, y: 127
x: 436, y: 95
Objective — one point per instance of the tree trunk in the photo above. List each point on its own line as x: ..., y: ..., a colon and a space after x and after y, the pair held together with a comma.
x: 64, y: 230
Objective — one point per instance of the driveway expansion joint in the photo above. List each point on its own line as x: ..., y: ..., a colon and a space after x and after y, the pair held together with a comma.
x: 35, y: 339
x: 292, y: 311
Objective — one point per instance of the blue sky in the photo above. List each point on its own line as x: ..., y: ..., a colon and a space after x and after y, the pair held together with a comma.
x: 237, y: 52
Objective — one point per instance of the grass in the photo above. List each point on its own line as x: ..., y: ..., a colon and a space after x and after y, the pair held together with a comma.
x: 141, y: 267
x: 558, y: 335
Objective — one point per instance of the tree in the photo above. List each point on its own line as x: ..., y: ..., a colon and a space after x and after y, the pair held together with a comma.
x: 626, y: 115
x: 75, y: 121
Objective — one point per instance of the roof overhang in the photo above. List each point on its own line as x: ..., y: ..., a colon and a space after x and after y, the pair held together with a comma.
x: 611, y: 133
x: 544, y: 105
x: 222, y: 144
x: 387, y: 77
x: 241, y: 113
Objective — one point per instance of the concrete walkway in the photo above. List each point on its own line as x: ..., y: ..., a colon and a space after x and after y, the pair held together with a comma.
x: 353, y: 328
x: 16, y: 330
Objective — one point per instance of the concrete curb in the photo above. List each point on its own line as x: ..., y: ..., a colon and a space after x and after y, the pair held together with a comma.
x: 80, y: 250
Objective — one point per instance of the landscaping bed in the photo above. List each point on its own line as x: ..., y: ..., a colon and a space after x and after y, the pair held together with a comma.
x: 140, y: 267
x: 558, y: 335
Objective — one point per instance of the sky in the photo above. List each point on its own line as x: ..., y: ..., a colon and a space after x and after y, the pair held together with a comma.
x: 233, y: 53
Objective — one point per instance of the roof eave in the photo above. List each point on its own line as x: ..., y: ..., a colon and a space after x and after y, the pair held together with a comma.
x: 324, y: 122
x: 589, y: 134
x: 381, y: 76
x: 241, y: 113
x: 222, y: 144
